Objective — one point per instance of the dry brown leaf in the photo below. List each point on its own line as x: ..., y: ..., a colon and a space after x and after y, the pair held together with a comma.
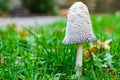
x: 98, y: 46
x: 93, y: 49
x: 103, y: 45
x: 2, y: 61
x: 91, y: 45
x: 106, y: 44
x: 23, y: 33
x: 115, y: 76
x: 87, y: 54
x: 11, y: 26
x: 109, y: 29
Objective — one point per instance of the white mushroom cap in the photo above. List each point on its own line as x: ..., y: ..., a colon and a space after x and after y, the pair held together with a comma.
x: 79, y: 27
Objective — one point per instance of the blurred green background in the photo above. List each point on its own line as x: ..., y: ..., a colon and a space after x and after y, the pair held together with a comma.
x: 53, y: 7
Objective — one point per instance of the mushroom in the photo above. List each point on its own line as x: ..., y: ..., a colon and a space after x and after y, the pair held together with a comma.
x: 78, y: 31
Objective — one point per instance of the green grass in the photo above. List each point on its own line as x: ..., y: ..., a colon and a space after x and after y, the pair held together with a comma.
x: 38, y: 54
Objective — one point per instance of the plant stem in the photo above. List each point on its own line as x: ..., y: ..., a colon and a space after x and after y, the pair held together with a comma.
x: 79, y: 60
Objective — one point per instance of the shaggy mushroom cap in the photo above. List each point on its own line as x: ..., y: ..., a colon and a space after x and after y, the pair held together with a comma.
x: 79, y: 27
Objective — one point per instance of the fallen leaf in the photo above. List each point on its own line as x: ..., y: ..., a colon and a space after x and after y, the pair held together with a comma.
x: 2, y: 61
x: 11, y: 26
x: 99, y: 44
x: 93, y: 49
x: 115, y: 76
x: 87, y: 54
x: 23, y: 33
x: 106, y: 44
x: 103, y: 45
x: 109, y: 29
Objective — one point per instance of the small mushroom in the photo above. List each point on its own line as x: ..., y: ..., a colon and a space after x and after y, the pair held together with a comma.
x: 78, y: 31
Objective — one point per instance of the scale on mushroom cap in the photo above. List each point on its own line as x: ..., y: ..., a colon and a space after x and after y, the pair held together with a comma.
x: 78, y: 31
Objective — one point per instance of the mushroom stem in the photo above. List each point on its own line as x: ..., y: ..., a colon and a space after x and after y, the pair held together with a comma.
x: 79, y: 60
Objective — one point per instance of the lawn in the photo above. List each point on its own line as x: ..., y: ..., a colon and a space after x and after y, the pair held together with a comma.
x: 38, y: 54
